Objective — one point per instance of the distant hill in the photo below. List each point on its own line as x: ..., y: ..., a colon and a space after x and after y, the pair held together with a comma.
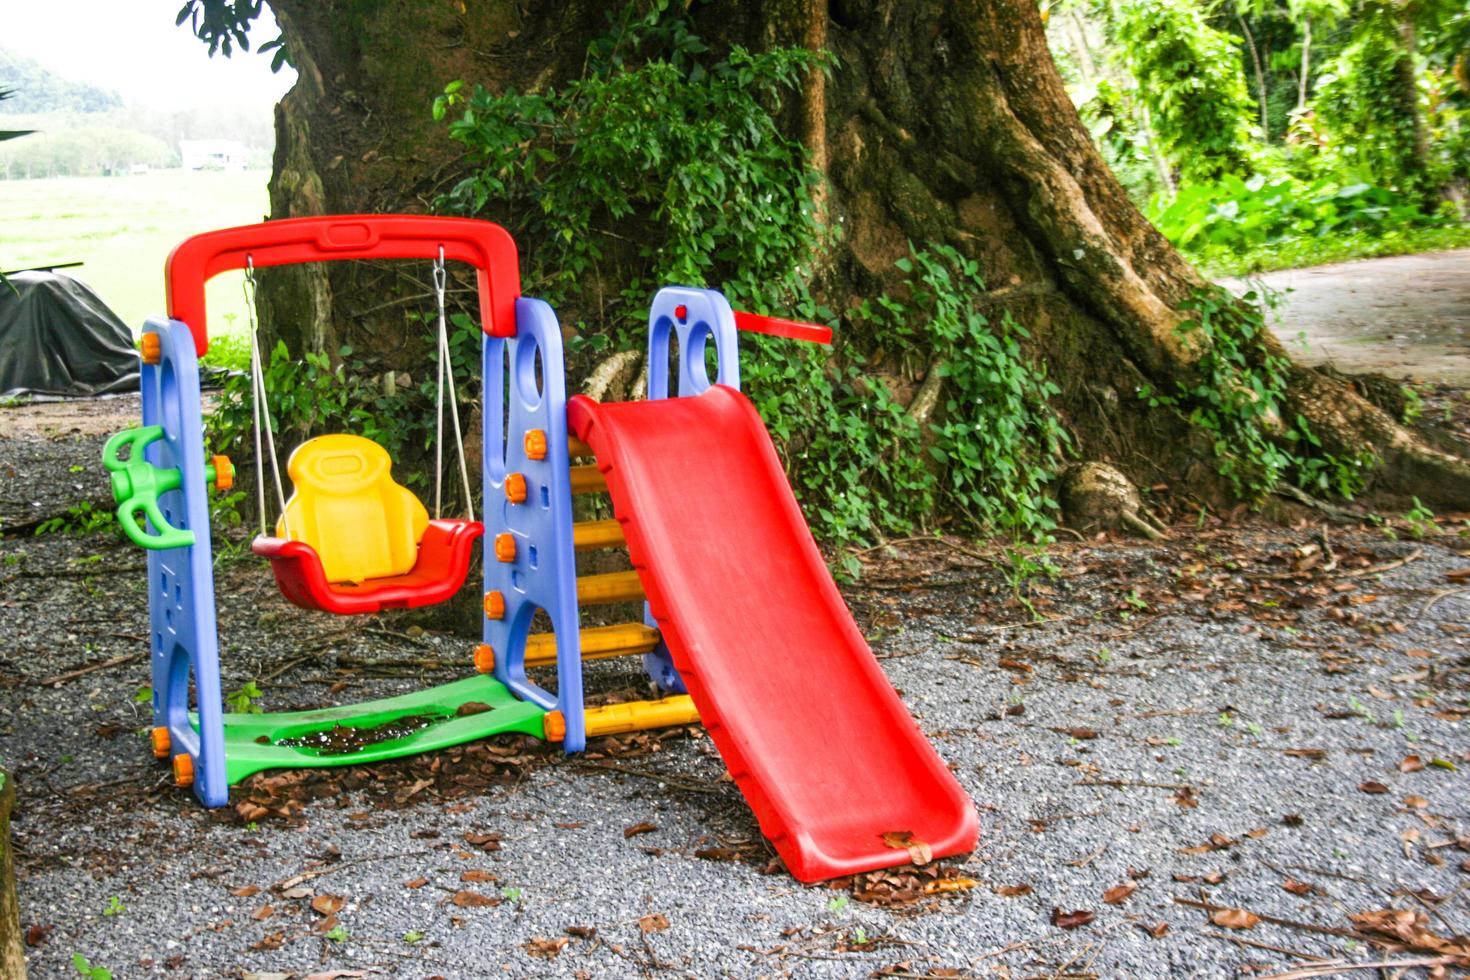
x: 38, y: 89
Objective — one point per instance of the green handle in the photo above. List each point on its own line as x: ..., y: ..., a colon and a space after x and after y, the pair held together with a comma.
x: 136, y: 486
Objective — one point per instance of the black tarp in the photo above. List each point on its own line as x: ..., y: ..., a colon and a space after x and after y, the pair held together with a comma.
x: 57, y: 337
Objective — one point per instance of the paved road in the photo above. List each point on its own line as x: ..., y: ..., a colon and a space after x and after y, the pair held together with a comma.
x: 1407, y: 316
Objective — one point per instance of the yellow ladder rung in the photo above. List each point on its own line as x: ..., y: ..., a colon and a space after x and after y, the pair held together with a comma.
x: 591, y: 535
x: 576, y: 447
x: 588, y: 479
x: 598, y: 643
x: 633, y: 716
x: 595, y: 590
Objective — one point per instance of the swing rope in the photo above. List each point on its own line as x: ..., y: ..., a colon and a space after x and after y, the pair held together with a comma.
x: 446, y: 380
x: 260, y: 411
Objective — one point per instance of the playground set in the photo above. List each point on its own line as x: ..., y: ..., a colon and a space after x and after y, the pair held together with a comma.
x: 743, y: 628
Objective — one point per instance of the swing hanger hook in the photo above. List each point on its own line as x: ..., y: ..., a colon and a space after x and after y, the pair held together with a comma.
x: 441, y: 277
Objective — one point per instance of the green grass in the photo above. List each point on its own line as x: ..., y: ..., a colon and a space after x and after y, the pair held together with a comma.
x: 123, y: 228
x: 1333, y: 248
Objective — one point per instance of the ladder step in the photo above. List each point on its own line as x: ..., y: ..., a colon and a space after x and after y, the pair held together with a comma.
x: 598, y: 643
x: 631, y: 716
x: 597, y: 590
x: 592, y: 535
x: 576, y: 447
x: 588, y: 479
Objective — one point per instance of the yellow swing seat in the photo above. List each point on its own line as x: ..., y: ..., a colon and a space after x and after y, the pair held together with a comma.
x: 352, y: 540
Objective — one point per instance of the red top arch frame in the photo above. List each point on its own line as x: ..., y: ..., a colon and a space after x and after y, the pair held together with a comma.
x: 289, y: 241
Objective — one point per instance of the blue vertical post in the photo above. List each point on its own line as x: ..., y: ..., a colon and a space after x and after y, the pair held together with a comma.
x: 525, y: 393
x: 695, y: 317
x: 183, y: 638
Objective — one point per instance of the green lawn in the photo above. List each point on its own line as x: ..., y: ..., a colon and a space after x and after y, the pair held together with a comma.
x: 123, y: 229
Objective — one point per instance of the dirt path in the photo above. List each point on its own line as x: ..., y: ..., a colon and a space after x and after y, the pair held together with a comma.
x: 1407, y: 316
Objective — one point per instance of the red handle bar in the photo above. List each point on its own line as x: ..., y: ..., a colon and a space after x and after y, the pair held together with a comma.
x: 486, y: 246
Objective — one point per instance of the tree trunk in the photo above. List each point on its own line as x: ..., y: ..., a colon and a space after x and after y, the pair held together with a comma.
x: 1305, y: 79
x: 12, y: 948
x: 1250, y: 43
x: 942, y: 123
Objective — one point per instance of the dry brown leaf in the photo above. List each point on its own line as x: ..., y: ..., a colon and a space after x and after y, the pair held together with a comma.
x: 1372, y: 786
x: 904, y: 840
x: 1297, y: 887
x: 1314, y: 754
x: 416, y: 883
x: 717, y: 854
x: 263, y: 913
x: 653, y: 922
x: 245, y: 891
x: 1157, y: 931
x: 327, y: 904
x: 646, y: 827
x: 581, y: 932
x: 1293, y: 819
x: 1118, y: 894
x: 1234, y: 918
x: 1070, y: 920
x: 1416, y: 802
x: 1012, y: 891
x: 546, y: 949
x: 1257, y: 833
x: 1411, y: 763
x: 476, y: 874
x: 486, y: 842
x: 473, y: 900
x: 942, y: 886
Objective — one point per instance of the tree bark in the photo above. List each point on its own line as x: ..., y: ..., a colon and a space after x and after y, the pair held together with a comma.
x: 1250, y: 43
x: 12, y: 947
x: 941, y: 123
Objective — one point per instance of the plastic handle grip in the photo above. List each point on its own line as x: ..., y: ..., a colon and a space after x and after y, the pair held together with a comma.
x: 486, y: 246
x: 136, y: 485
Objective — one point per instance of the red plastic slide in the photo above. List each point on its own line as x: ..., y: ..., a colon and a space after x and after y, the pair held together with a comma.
x: 814, y: 735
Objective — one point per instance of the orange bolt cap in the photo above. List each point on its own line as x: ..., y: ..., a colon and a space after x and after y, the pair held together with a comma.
x: 495, y: 605
x: 505, y: 546
x: 152, y: 348
x: 554, y: 724
x: 484, y: 658
x: 184, y: 769
x: 536, y: 444
x: 160, y: 740
x: 224, y: 473
x: 515, y: 488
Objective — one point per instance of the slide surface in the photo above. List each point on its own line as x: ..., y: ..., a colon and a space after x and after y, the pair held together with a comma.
x: 813, y: 733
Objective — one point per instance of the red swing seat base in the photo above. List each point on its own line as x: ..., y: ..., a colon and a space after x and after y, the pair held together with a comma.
x: 442, y: 565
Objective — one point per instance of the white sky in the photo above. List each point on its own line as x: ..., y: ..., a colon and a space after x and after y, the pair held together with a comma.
x: 134, y: 48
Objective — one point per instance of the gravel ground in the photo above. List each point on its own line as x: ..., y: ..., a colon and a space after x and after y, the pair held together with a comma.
x: 1194, y: 718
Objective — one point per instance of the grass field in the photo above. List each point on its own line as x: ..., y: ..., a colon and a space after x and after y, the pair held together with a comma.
x: 123, y: 229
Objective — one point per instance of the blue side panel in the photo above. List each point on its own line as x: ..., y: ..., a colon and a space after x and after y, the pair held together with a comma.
x: 695, y: 316
x: 525, y: 389
x: 707, y: 315
x: 183, y: 636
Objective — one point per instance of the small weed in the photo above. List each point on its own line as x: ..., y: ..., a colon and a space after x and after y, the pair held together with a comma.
x: 511, y: 894
x: 1226, y: 719
x: 1420, y: 520
x: 413, y: 936
x: 1361, y: 710
x: 114, y: 905
x: 859, y: 936
x: 836, y: 905
x: 86, y: 969
x: 143, y: 695
x: 337, y: 934
x: 1255, y: 729
x: 242, y: 702
x: 1103, y: 656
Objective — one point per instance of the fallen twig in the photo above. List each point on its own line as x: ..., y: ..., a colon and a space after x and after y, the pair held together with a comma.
x: 1330, y: 967
x: 1438, y: 596
x: 1387, y: 566
x: 1241, y: 940
x: 72, y: 675
x: 1289, y: 923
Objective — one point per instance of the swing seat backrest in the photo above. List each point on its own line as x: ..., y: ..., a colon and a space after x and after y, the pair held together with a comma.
x: 347, y: 507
